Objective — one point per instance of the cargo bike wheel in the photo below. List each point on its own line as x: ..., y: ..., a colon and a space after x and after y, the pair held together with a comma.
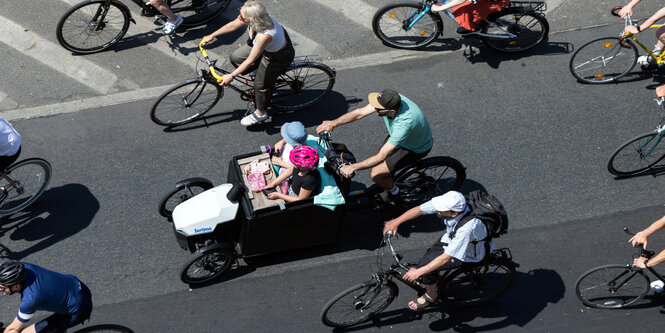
x: 208, y: 263
x: 184, y: 191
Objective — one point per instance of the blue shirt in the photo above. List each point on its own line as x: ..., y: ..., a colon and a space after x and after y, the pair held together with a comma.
x: 409, y: 129
x: 46, y: 290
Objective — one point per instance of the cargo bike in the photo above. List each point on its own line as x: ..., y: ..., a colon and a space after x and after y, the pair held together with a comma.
x: 219, y: 224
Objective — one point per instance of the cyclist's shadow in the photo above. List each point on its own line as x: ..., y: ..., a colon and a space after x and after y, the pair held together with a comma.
x: 527, y: 297
x: 49, y: 220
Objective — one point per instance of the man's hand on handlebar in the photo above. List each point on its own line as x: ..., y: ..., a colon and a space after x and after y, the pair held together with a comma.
x: 631, y: 29
x: 391, y: 226
x: 626, y: 10
x: 207, y: 39
x: 639, y: 262
x: 347, y: 170
x: 327, y: 125
x: 660, y: 91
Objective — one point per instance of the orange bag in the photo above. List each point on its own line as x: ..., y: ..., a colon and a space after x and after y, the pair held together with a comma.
x: 469, y: 14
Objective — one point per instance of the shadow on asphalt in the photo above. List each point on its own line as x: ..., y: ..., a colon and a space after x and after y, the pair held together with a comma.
x: 494, y: 58
x: 331, y: 107
x: 654, y: 172
x: 58, y: 213
x: 528, y: 296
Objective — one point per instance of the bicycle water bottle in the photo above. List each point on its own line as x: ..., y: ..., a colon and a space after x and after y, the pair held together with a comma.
x: 657, y: 286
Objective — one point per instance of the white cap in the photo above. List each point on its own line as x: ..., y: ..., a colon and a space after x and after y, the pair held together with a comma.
x: 451, y: 200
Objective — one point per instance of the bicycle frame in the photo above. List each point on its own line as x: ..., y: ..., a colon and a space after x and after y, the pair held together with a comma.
x: 627, y: 22
x: 643, y: 253
x: 660, y: 129
x: 427, y: 7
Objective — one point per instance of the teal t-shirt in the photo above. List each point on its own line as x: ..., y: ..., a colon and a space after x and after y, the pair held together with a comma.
x: 410, y: 129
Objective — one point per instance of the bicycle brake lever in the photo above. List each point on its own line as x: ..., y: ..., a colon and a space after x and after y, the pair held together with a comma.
x: 659, y: 100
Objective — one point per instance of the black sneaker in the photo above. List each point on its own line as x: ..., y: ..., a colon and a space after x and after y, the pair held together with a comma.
x: 466, y: 32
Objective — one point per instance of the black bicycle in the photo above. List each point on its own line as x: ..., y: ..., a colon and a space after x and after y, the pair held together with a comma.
x: 23, y: 182
x: 95, y: 25
x: 615, y: 286
x: 469, y: 285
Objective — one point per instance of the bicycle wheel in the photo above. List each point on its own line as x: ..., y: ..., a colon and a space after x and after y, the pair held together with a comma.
x: 611, y: 286
x: 206, y: 265
x: 428, y: 178
x: 180, y: 194
x: 302, y: 86
x: 104, y: 328
x: 395, y: 27
x: 637, y: 155
x: 468, y: 287
x: 185, y: 102
x: 92, y: 26
x: 602, y: 60
x: 197, y: 12
x: 28, y: 180
x: 530, y: 29
x: 358, y: 303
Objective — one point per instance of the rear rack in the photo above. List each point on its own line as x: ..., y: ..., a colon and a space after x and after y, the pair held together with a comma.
x: 536, y: 6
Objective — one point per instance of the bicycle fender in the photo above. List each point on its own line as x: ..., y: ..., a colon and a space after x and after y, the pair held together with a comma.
x: 218, y: 246
x: 189, y: 181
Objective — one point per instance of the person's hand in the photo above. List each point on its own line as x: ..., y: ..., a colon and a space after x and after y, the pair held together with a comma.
x: 626, y: 11
x: 639, y: 262
x: 660, y: 91
x: 639, y: 238
x: 277, y: 161
x: 274, y: 195
x: 347, y: 170
x: 207, y: 39
x: 631, y: 29
x: 226, y: 80
x: 327, y: 125
x: 413, y: 274
x: 390, y: 226
x: 279, y: 145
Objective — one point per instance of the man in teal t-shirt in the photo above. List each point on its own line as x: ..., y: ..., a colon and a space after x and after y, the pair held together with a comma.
x: 409, y: 136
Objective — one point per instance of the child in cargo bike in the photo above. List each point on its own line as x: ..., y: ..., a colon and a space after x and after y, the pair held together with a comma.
x: 468, y: 13
x: 305, y: 181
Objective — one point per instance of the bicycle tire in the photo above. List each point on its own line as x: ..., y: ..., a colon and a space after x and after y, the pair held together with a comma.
x: 211, y: 262
x: 30, y: 178
x: 590, y: 64
x: 356, y: 303
x: 630, y: 157
x: 79, y: 22
x: 176, y: 105
x: 530, y: 28
x: 389, y: 21
x: 301, y: 86
x: 428, y: 178
x: 466, y: 287
x: 592, y: 287
x: 181, y: 194
x: 199, y: 13
x: 104, y: 328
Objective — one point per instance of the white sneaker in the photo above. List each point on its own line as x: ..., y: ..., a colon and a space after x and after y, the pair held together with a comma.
x: 253, y: 119
x: 646, y: 59
x: 170, y: 26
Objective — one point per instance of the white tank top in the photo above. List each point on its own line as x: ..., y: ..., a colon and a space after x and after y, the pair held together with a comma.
x: 278, y: 38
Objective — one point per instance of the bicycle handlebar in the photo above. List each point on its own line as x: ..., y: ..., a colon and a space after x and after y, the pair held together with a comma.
x: 623, y: 38
x: 643, y: 252
x: 210, y: 66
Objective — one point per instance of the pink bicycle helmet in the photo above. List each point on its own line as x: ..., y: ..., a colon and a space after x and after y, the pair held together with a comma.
x: 305, y: 157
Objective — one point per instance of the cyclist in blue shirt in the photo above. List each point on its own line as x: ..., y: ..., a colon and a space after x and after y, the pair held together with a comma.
x: 45, y: 290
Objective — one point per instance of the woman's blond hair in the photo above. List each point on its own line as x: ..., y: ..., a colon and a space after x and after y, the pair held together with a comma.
x: 257, y: 16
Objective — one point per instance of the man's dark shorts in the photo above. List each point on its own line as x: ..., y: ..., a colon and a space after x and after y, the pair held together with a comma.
x: 401, y: 157
x: 60, y: 322
x: 431, y: 254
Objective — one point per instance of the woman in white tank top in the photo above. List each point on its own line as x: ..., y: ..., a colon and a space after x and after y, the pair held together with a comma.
x: 269, y: 52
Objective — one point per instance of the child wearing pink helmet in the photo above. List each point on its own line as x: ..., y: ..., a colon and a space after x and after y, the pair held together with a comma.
x: 305, y: 180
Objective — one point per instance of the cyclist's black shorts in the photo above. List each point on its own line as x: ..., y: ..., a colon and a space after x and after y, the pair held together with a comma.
x: 59, y: 322
x: 6, y: 161
x: 431, y: 254
x: 401, y: 157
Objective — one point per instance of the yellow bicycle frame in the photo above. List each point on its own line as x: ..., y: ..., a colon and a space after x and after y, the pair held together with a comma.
x: 210, y: 66
x: 659, y: 59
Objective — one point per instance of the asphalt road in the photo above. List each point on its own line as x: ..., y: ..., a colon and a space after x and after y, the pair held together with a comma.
x: 525, y: 130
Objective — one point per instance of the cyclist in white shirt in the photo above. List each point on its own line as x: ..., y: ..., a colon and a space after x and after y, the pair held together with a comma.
x: 453, y: 249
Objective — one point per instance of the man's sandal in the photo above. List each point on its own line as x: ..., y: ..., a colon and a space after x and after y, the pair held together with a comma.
x: 421, y: 306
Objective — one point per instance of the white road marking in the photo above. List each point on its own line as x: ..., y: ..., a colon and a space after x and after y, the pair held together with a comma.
x: 54, y: 56
x: 355, y: 10
x: 6, y: 102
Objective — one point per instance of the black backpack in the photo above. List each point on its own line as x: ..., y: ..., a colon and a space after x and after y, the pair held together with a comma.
x: 489, y: 210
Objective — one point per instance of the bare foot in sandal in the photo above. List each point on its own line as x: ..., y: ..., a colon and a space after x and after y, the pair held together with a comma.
x: 421, y: 303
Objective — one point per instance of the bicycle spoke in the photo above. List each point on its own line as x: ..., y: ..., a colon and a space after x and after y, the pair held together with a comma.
x: 85, y: 30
